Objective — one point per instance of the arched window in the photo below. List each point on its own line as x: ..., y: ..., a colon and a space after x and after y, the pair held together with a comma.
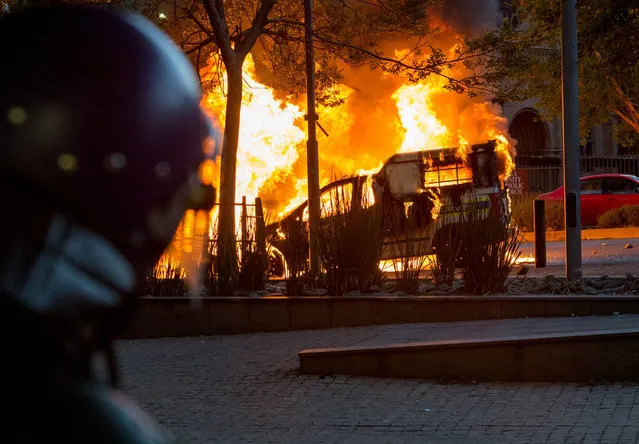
x: 530, y: 132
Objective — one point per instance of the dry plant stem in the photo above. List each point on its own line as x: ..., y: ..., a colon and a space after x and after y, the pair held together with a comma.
x: 411, y: 250
x: 351, y: 240
x: 490, y: 247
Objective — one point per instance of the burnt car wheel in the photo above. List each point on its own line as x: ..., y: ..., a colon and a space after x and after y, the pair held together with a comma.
x: 276, y: 267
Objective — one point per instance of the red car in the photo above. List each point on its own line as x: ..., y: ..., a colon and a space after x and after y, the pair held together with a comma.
x: 601, y: 193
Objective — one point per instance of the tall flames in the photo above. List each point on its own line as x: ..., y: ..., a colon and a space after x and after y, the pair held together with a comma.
x: 381, y: 114
x: 375, y: 121
x: 270, y: 140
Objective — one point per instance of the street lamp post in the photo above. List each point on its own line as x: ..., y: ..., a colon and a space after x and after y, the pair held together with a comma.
x: 312, y: 156
x: 570, y: 111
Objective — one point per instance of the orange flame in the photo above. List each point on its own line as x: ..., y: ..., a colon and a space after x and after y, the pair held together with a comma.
x: 270, y: 140
x: 376, y: 120
x: 381, y: 114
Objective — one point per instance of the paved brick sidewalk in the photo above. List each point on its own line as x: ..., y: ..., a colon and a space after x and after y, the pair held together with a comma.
x: 245, y: 388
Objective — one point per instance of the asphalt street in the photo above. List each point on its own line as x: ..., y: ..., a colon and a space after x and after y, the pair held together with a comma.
x: 611, y: 251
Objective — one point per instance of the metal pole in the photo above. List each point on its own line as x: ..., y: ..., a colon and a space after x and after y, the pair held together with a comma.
x: 260, y: 239
x: 570, y: 113
x: 244, y: 230
x: 260, y: 228
x: 312, y: 156
x: 539, y: 217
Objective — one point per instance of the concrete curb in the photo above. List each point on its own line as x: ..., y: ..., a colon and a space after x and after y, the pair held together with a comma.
x: 589, y: 234
x: 179, y: 317
x: 562, y: 356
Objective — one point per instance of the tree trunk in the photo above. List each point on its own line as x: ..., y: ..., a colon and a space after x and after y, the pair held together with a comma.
x: 227, y: 253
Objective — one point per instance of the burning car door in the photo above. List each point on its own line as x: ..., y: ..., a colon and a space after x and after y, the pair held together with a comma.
x: 415, y: 188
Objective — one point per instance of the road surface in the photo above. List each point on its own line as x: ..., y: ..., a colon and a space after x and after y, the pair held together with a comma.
x: 611, y: 251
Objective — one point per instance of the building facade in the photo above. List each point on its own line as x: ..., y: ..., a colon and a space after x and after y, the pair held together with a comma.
x: 539, y: 138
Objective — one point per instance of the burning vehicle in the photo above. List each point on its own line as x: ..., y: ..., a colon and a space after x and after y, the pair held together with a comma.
x: 421, y: 191
x: 409, y: 117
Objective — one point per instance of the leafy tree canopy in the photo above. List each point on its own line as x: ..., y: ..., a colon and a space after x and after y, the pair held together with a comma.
x: 355, y: 32
x: 522, y: 59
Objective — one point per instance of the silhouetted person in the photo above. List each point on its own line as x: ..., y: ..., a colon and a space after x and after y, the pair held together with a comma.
x: 100, y: 140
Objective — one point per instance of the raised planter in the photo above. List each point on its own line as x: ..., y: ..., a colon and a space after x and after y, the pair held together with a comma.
x: 175, y: 317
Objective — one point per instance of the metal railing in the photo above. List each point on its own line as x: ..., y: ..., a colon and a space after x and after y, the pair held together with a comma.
x: 251, y: 232
x: 545, y: 178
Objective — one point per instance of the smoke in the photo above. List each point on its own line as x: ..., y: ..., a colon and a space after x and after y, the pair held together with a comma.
x: 472, y: 17
x: 371, y: 124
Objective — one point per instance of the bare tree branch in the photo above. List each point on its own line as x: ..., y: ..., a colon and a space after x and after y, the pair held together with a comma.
x: 187, y: 40
x: 260, y: 20
x: 468, y: 83
x: 465, y: 55
x: 197, y: 63
x: 189, y: 13
x: 199, y: 46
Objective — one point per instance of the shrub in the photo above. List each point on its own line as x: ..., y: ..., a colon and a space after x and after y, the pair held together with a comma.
x: 411, y: 247
x: 253, y: 262
x: 554, y: 215
x: 447, y: 244
x: 521, y: 206
x: 223, y: 272
x: 295, y: 250
x: 522, y: 213
x: 351, y: 241
x: 193, y: 259
x: 245, y: 268
x: 620, y: 217
x: 490, y: 246
x: 632, y: 215
x: 166, y: 280
x: 367, y: 246
x: 252, y: 274
x: 612, y: 219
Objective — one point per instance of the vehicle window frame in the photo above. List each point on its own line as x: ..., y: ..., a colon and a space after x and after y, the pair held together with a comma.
x: 633, y: 189
x: 366, y: 193
x: 586, y: 181
x: 332, y: 189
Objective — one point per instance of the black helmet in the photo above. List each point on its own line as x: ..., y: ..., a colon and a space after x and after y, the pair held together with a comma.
x: 99, y: 119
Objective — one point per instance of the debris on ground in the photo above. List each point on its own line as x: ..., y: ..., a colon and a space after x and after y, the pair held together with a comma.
x: 589, y: 286
x: 275, y: 287
x: 520, y: 283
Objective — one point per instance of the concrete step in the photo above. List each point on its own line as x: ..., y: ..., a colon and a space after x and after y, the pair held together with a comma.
x: 577, y: 349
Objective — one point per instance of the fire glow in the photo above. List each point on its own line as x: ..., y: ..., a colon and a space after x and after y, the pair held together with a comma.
x: 420, y: 116
x: 381, y: 115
